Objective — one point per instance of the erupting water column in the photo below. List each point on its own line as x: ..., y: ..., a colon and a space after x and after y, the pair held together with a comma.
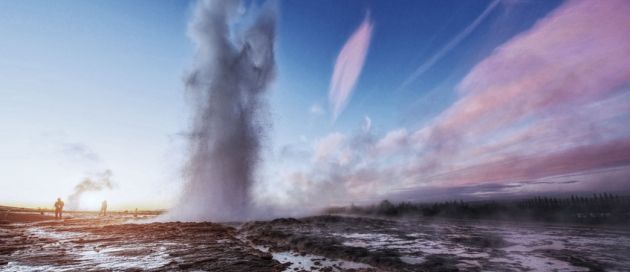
x: 232, y: 70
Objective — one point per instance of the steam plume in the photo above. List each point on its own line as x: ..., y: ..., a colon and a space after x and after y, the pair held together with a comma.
x: 231, y: 72
x: 102, y: 181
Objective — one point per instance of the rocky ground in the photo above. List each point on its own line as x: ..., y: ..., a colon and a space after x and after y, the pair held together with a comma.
x: 96, y: 244
x: 322, y: 243
x: 448, y: 245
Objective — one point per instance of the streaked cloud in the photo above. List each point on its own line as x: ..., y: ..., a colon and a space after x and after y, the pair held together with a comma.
x: 450, y: 45
x: 348, y: 67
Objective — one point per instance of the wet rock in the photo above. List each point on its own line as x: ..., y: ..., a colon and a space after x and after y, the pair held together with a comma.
x: 482, y: 241
x: 306, y: 239
x: 286, y: 221
x: 575, y: 259
x: 112, y: 245
x: 440, y: 262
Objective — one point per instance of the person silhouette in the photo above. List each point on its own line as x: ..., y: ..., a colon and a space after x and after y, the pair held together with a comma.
x: 58, y: 208
x: 103, y: 208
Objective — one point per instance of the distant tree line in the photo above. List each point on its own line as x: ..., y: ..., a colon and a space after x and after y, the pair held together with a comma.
x: 602, y: 208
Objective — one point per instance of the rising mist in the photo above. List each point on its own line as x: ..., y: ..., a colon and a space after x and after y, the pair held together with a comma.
x: 90, y: 184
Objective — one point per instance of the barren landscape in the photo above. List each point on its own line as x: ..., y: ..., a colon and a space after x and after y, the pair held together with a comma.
x: 320, y: 243
x: 314, y: 135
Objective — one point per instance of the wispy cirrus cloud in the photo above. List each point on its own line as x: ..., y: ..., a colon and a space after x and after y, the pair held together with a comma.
x: 450, y: 45
x: 348, y: 67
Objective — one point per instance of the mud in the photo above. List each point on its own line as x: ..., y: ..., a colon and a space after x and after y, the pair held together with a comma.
x: 322, y: 243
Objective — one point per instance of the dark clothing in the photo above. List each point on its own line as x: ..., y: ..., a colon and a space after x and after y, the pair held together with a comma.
x: 58, y: 209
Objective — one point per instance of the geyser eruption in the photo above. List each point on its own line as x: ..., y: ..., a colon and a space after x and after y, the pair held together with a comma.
x: 232, y: 69
x: 102, y: 181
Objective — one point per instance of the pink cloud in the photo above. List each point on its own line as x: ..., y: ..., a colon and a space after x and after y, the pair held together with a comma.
x: 537, y: 166
x: 328, y: 147
x: 547, y: 109
x: 548, y: 102
x: 348, y: 67
x: 576, y: 54
x: 574, y: 57
x: 392, y: 141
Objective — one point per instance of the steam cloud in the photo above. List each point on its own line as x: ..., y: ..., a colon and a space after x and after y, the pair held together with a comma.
x: 232, y: 69
x: 102, y: 181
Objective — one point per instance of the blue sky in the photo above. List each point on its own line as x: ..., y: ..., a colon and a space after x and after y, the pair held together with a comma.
x: 94, y: 85
x: 103, y: 74
x: 405, y: 34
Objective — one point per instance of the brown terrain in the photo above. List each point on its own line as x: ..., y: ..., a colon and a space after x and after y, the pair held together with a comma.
x: 121, y: 242
x: 110, y: 244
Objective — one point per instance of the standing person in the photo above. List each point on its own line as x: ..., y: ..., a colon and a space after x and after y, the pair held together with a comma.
x: 103, y: 208
x: 58, y: 208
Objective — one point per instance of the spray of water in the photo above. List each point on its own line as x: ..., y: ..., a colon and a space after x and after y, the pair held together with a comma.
x: 233, y: 67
